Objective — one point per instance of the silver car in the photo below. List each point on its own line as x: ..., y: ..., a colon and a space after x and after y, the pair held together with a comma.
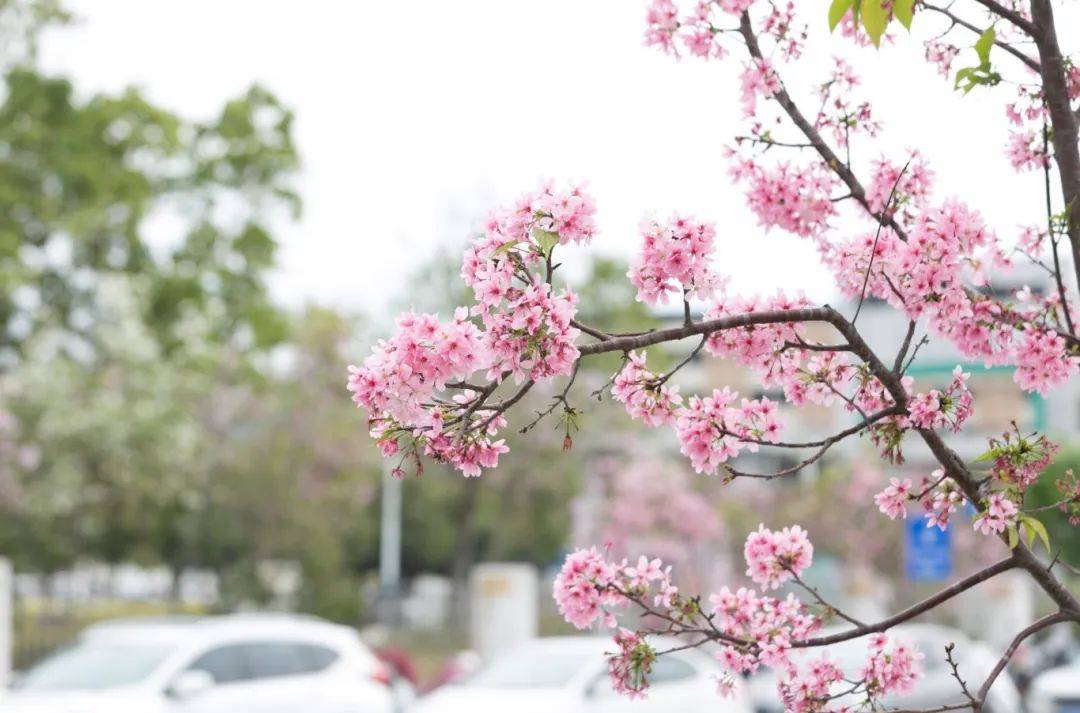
x: 569, y: 675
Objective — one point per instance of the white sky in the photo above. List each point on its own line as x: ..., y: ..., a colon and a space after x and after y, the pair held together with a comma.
x: 413, y: 117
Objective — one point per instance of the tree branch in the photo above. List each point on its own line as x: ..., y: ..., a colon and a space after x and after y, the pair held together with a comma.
x: 1066, y: 126
x: 1038, y: 626
x: 1031, y: 63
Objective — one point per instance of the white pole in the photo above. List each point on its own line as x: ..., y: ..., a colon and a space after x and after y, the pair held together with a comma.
x: 390, y: 545
x: 7, y: 584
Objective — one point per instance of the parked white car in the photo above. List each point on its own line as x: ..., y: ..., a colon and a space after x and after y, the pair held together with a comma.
x: 975, y: 661
x: 265, y: 663
x: 569, y: 675
x: 1056, y: 690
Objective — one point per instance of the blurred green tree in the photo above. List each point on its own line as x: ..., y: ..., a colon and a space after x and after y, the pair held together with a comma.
x: 114, y: 184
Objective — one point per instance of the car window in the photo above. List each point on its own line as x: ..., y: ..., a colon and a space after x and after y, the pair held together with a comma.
x: 669, y: 669
x: 263, y: 659
x: 318, y: 657
x: 273, y: 659
x: 226, y: 664
x: 95, y: 664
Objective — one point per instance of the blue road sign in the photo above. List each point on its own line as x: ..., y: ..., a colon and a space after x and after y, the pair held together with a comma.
x: 927, y: 552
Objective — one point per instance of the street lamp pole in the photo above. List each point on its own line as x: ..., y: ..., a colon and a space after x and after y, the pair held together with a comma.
x: 390, y: 548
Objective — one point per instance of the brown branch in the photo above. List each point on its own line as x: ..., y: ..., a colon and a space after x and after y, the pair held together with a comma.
x: 840, y: 168
x: 1062, y: 295
x: 1065, y: 125
x: 640, y: 341
x: 1012, y: 16
x: 689, y: 358
x: 877, y: 236
x: 915, y: 610
x: 820, y: 600
x: 591, y: 331
x: 956, y: 20
x: 1038, y: 626
x: 949, y: 648
x: 898, y: 364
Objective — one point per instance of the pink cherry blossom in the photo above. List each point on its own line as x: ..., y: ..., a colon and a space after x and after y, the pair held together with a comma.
x: 1026, y: 151
x: 1000, y: 513
x: 674, y: 259
x: 712, y: 429
x: 759, y: 81
x: 1043, y: 361
x: 646, y: 398
x: 943, y: 409
x: 797, y: 199
x: 531, y: 337
x: 628, y: 668
x: 772, y: 558
x: 581, y: 588
x: 892, y: 501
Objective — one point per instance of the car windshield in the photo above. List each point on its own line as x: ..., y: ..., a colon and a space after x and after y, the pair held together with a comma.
x: 531, y: 668
x: 90, y: 665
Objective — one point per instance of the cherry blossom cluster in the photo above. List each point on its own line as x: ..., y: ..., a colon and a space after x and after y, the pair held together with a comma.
x: 760, y: 347
x: 892, y: 501
x: 941, y: 54
x: 402, y: 373
x: 696, y: 30
x: 941, y: 499
x: 1018, y: 460
x: 755, y: 629
x: 937, y: 409
x: 646, y: 396
x: 807, y: 688
x: 1043, y: 360
x: 1069, y: 486
x: 819, y: 379
x: 888, y: 670
x: 762, y: 628
x: 840, y: 114
x: 525, y: 331
x: 773, y: 558
x: 588, y: 587
x: 1000, y: 512
x: 1027, y: 151
x: 893, y: 189
x: 517, y: 239
x: 1027, y: 147
x: 583, y: 588
x: 713, y: 429
x: 674, y: 259
x: 811, y: 688
x: 793, y: 198
x: 630, y: 665
x: 532, y: 338
x: 927, y: 275
x: 397, y: 385
x: 758, y: 81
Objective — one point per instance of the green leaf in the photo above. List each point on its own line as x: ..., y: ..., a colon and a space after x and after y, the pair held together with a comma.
x: 1029, y: 532
x: 983, y: 45
x: 875, y: 18
x: 837, y: 10
x: 990, y: 454
x: 1014, y: 537
x: 505, y: 247
x: 545, y: 239
x: 1036, y: 528
x: 904, y: 11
